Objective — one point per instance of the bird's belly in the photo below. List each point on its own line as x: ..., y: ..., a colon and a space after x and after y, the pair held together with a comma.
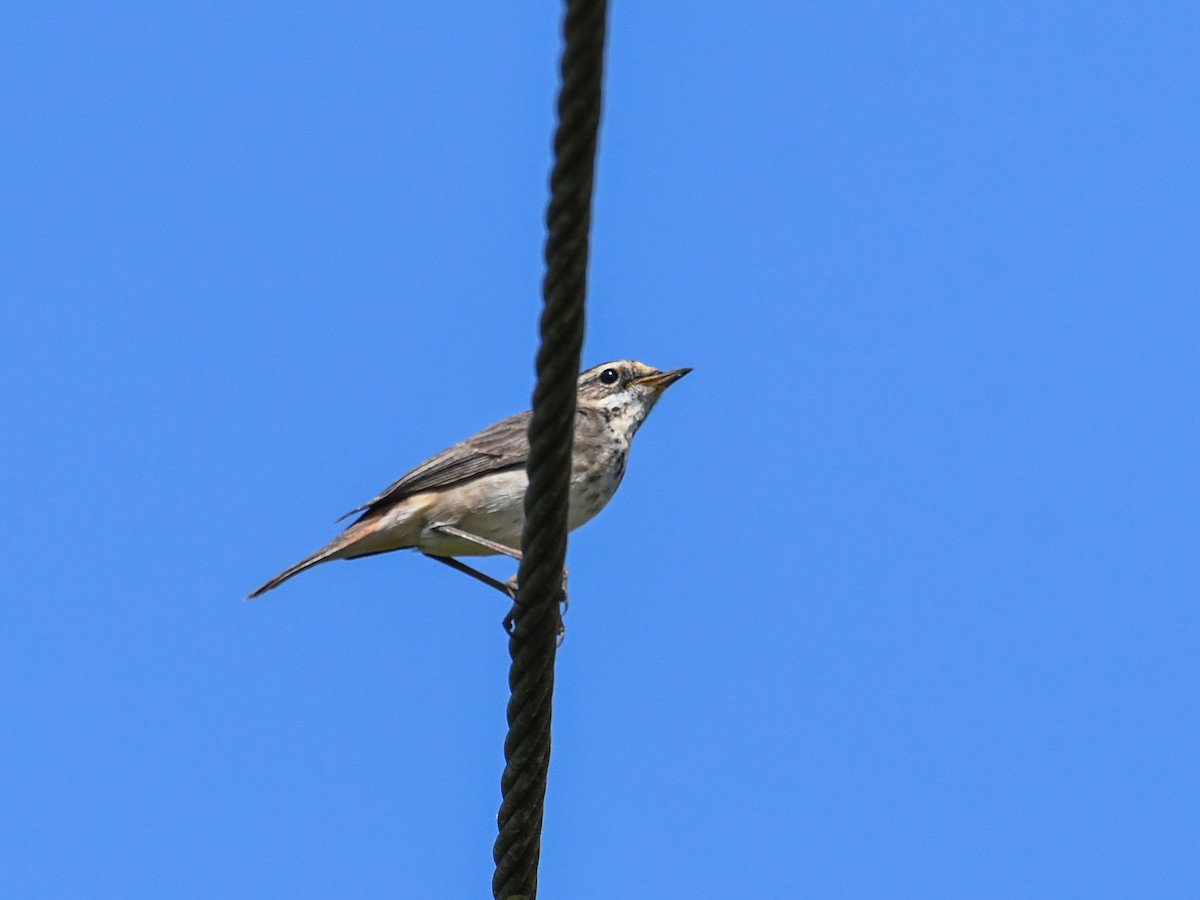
x: 492, y: 507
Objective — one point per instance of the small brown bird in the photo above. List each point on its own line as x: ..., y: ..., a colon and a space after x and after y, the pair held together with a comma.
x: 469, y: 500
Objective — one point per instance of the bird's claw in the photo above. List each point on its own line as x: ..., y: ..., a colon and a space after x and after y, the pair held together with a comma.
x: 509, y: 623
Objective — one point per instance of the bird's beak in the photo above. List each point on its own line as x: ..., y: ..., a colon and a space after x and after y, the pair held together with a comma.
x: 662, y: 380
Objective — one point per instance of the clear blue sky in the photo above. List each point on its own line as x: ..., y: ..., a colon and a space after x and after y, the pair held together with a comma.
x: 899, y: 597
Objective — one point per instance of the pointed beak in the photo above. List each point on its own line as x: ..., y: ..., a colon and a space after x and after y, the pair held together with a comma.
x: 663, y: 380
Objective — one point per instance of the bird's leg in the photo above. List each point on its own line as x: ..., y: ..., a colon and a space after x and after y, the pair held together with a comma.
x: 453, y: 563
x: 483, y: 542
x: 498, y: 548
x: 511, y: 587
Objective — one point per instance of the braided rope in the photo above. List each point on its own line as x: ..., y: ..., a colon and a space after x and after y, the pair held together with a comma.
x: 535, y: 619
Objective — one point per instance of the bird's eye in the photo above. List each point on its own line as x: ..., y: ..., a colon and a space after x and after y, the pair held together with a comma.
x: 609, y: 376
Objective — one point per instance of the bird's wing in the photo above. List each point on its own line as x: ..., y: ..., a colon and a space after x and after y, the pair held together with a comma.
x: 502, y: 446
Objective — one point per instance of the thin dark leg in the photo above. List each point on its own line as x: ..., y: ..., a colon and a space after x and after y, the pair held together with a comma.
x: 509, y: 589
x: 453, y: 563
x: 497, y: 548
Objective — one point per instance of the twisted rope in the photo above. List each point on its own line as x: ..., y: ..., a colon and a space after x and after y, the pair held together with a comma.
x: 551, y: 431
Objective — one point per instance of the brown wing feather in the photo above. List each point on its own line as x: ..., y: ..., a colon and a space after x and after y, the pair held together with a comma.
x: 502, y: 446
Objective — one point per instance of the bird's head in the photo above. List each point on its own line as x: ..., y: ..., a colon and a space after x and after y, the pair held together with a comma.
x: 625, y: 391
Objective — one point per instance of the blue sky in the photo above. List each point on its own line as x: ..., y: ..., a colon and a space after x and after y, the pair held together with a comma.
x: 898, y: 598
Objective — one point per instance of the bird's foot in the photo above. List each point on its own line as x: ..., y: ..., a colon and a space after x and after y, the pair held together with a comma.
x: 564, y: 604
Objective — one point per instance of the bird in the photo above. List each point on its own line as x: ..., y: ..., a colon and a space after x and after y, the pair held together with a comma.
x: 469, y: 500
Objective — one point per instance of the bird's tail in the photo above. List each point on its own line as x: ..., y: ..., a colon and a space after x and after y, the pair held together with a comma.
x: 339, y: 548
